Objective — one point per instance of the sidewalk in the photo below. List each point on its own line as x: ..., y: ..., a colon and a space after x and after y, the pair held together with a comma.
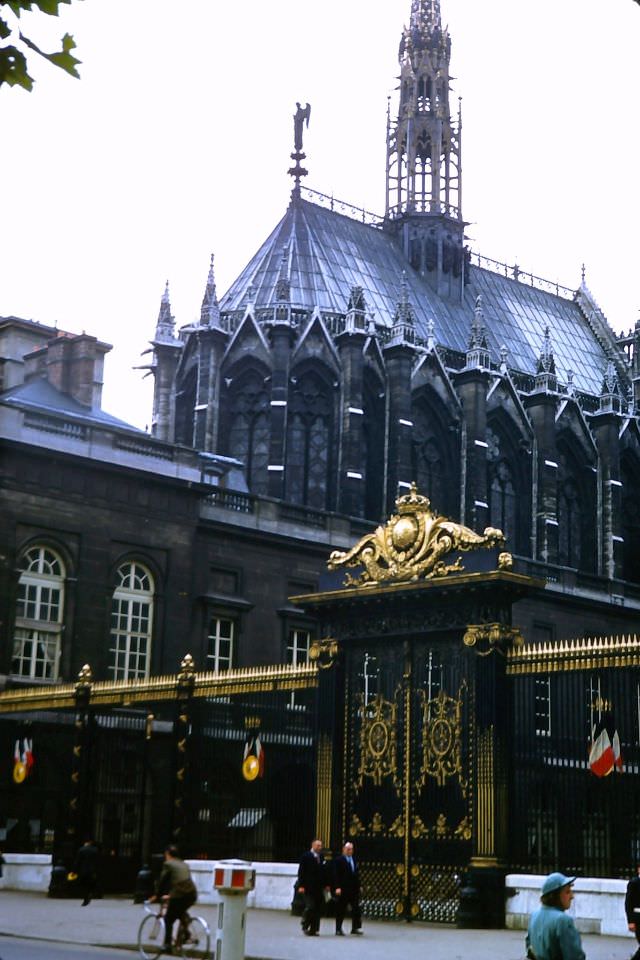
x: 275, y: 935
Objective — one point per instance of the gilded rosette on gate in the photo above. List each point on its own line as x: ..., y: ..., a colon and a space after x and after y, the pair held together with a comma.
x: 412, y: 545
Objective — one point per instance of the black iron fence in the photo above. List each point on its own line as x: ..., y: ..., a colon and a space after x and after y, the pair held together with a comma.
x: 571, y: 808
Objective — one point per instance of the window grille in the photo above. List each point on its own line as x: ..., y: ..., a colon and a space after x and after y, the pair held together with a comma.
x: 220, y: 644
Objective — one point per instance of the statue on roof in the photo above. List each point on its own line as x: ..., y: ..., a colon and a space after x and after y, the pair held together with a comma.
x: 299, y: 117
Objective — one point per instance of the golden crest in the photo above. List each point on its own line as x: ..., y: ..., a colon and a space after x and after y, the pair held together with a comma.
x: 378, y: 741
x: 442, y: 739
x: 412, y: 545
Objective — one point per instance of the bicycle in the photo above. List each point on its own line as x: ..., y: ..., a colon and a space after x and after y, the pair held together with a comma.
x: 193, y: 937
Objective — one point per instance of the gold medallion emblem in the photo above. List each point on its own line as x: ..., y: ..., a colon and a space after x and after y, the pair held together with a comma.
x: 250, y: 767
x: 19, y: 772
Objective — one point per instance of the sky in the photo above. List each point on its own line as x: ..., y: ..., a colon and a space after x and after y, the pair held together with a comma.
x: 175, y: 144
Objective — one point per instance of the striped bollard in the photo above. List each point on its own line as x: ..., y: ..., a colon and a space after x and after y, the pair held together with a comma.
x: 233, y: 879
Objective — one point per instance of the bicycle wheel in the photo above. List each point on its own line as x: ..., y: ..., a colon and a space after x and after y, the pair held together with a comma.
x: 197, y: 942
x: 151, y: 937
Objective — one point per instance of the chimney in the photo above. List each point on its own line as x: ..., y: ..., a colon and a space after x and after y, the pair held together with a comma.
x: 73, y: 365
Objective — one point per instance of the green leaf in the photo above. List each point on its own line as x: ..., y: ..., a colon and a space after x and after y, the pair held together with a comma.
x: 5, y: 30
x: 13, y: 68
x: 62, y: 58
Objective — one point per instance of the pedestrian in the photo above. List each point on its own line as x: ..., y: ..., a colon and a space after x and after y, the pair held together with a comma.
x: 312, y: 883
x: 552, y: 934
x: 346, y: 887
x: 86, y: 868
x: 632, y: 908
x: 175, y: 888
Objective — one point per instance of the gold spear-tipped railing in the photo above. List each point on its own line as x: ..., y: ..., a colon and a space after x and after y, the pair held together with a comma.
x: 584, y: 653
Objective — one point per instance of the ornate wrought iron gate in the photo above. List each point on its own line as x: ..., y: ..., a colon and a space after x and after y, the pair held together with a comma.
x: 407, y: 798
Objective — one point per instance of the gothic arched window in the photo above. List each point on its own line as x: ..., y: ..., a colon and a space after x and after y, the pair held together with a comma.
x: 248, y: 429
x: 569, y: 524
x: 432, y: 464
x: 373, y: 436
x: 630, y: 475
x: 131, y: 623
x: 502, y: 500
x: 309, y: 439
x: 39, y: 611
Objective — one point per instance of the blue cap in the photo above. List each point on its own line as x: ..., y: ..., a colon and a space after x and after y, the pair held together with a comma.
x: 555, y: 881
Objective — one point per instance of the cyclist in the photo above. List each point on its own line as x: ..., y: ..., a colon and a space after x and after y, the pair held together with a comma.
x: 176, y: 887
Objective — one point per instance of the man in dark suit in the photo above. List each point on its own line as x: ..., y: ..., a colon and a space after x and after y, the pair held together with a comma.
x: 311, y: 884
x: 632, y: 908
x: 87, y: 870
x: 346, y: 886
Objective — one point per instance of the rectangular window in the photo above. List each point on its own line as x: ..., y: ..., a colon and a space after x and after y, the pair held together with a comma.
x: 298, y: 644
x: 35, y: 654
x: 542, y: 706
x: 220, y: 644
x: 130, y: 638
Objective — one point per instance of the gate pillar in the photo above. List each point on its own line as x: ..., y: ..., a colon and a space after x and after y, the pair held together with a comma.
x: 330, y: 739
x: 182, y: 733
x: 482, y: 900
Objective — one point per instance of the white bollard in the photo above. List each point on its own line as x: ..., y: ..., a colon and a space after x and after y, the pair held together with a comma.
x: 233, y: 879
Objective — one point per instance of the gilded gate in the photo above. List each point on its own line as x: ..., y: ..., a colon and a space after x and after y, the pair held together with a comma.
x: 407, y: 799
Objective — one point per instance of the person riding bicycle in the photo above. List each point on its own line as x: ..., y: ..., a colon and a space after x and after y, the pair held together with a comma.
x: 176, y: 888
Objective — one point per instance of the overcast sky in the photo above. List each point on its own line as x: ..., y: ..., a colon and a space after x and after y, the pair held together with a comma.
x: 175, y: 144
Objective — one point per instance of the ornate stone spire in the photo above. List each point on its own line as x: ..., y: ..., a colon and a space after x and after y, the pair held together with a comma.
x: 546, y: 367
x: 356, y: 316
x: 478, y: 352
x: 404, y: 319
x: 165, y: 327
x: 210, y: 310
x: 611, y: 394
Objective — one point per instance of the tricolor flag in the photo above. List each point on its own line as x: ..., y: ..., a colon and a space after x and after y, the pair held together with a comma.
x: 604, y: 755
x: 253, y: 758
x: 23, y: 760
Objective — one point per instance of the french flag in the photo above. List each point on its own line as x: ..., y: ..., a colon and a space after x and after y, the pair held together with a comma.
x: 605, y: 755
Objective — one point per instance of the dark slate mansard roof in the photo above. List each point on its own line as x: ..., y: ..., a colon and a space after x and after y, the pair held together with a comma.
x: 328, y: 253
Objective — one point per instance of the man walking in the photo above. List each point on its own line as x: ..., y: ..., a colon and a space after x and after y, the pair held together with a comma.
x: 632, y: 908
x: 312, y: 884
x: 346, y: 885
x: 87, y: 870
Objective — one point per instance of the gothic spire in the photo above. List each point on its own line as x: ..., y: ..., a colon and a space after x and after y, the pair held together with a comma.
x: 356, y: 316
x: 611, y: 394
x: 210, y: 310
x: 165, y: 326
x: 478, y: 352
x: 546, y: 367
x: 404, y: 318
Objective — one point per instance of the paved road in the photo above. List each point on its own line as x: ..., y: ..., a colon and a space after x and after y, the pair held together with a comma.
x: 14, y: 949
x: 272, y: 934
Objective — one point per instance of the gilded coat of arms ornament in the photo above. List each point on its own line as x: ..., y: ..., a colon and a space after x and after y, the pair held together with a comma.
x: 442, y: 739
x: 378, y: 741
x: 412, y: 545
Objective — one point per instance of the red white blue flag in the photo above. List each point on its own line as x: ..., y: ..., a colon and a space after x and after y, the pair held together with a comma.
x: 605, y: 755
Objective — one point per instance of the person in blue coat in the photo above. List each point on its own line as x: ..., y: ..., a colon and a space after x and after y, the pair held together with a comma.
x: 552, y: 934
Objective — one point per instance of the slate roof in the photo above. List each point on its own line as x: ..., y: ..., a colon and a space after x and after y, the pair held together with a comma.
x: 39, y: 394
x: 329, y: 253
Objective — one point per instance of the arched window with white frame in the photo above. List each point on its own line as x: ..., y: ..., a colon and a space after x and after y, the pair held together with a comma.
x: 37, y: 637
x: 131, y: 623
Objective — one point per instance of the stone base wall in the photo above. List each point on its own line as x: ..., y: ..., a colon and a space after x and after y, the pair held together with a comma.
x: 598, y: 906
x: 26, y: 871
x: 274, y: 884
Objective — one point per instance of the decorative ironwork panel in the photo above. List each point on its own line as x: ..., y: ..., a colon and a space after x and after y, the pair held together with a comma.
x: 407, y: 801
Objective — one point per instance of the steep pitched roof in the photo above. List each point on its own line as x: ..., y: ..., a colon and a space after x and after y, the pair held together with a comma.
x: 329, y: 253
